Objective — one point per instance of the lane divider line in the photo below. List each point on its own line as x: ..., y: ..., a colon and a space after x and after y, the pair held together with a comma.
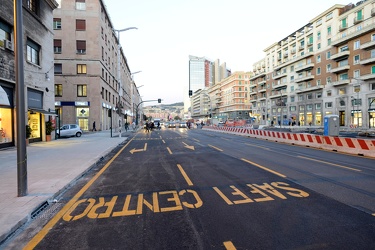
x: 187, y: 179
x: 218, y: 149
x: 329, y: 163
x: 44, y: 231
x: 252, y: 145
x: 264, y: 168
x: 169, y: 150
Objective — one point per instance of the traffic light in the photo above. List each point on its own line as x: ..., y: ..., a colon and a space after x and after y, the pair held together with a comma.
x: 109, y: 112
x: 159, y: 100
x: 190, y: 92
x: 126, y: 116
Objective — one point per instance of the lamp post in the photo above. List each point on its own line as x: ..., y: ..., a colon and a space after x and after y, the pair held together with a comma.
x: 119, y: 62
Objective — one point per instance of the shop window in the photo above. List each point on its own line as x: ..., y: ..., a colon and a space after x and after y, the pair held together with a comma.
x: 6, y: 135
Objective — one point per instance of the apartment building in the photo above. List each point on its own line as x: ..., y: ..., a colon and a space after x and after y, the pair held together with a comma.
x: 38, y: 60
x: 325, y: 67
x: 93, y: 81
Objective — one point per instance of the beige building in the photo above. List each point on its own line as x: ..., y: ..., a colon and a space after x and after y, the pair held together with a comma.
x: 37, y: 43
x: 93, y: 81
x: 325, y: 67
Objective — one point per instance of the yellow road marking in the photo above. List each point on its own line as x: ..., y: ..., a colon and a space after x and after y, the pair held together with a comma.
x: 44, y: 231
x: 170, y: 152
x: 196, y: 140
x: 257, y: 146
x: 264, y: 168
x: 223, y: 196
x: 329, y: 163
x: 187, y: 146
x: 218, y: 149
x: 163, y: 141
x: 187, y: 179
x: 229, y: 245
x: 145, y: 147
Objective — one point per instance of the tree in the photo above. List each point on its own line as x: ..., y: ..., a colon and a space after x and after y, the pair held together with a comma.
x: 177, y: 118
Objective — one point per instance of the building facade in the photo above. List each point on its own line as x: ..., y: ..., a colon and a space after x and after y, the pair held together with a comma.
x: 93, y: 81
x: 37, y: 43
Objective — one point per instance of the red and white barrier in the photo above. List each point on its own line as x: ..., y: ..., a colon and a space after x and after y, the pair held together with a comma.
x: 365, y: 147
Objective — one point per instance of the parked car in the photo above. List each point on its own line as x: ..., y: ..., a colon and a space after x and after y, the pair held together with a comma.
x: 69, y: 130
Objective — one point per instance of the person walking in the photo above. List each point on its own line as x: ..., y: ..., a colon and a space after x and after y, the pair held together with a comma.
x: 93, y: 126
x: 126, y: 126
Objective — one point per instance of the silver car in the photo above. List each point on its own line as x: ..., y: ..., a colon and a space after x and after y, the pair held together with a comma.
x: 69, y: 130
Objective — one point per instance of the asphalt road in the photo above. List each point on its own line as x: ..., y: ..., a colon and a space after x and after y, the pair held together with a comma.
x: 194, y: 189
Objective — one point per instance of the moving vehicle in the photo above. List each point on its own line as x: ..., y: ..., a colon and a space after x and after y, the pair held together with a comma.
x: 171, y: 125
x: 182, y: 125
x: 69, y: 130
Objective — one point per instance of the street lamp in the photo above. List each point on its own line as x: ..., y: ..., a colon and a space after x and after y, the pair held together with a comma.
x: 119, y: 64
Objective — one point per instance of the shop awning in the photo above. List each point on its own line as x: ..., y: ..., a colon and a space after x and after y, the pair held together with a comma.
x: 4, y: 100
x: 42, y: 111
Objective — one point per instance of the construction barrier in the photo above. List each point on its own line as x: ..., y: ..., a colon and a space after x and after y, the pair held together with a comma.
x: 365, y: 147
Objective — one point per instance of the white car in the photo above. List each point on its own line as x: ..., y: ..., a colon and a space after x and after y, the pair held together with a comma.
x: 69, y: 130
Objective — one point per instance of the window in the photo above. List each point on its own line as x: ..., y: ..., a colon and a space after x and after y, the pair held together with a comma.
x: 318, y: 95
x: 318, y: 71
x: 344, y: 76
x: 80, y: 24
x: 309, y: 106
x: 329, y: 30
x: 81, y: 90
x: 328, y: 80
x: 328, y: 68
x: 58, y: 90
x: 57, y: 46
x: 329, y: 41
x: 357, y: 44
x: 81, y: 69
x: 58, y: 69
x: 343, y: 24
x: 81, y: 47
x: 5, y: 31
x: 342, y: 91
x: 80, y: 5
x: 328, y: 104
x: 329, y: 93
x: 356, y: 74
x: 32, y: 5
x: 318, y: 106
x: 319, y: 45
x: 309, y: 96
x: 329, y: 16
x: 57, y: 23
x: 318, y: 59
x: 344, y: 48
x: 328, y: 55
x: 356, y: 59
x: 32, y: 52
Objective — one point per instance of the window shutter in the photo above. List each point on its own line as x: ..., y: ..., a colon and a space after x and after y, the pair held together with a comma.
x: 81, y: 45
x: 57, y: 43
x: 80, y: 24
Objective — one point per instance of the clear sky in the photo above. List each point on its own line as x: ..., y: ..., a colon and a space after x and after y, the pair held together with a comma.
x: 236, y: 32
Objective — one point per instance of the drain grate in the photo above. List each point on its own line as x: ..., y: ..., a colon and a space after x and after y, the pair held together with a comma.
x: 41, y: 208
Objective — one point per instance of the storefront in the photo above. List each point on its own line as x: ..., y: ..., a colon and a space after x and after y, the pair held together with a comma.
x: 6, y: 117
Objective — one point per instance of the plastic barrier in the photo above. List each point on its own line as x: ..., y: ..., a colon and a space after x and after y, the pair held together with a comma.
x: 365, y: 147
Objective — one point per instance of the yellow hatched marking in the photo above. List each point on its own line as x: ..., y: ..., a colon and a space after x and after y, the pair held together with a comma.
x: 187, y: 179
x: 264, y: 168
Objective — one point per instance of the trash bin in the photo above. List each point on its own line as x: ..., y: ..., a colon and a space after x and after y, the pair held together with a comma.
x: 331, y: 125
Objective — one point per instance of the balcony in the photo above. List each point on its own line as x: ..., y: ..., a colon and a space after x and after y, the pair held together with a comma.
x: 358, y: 20
x: 306, y: 67
x: 262, y: 90
x: 279, y: 75
x: 261, y: 73
x: 304, y: 78
x: 353, y: 32
x: 343, y: 27
x: 340, y: 82
x: 340, y: 69
x: 367, y: 61
x: 280, y: 86
x: 340, y: 55
x: 367, y: 77
x: 368, y: 46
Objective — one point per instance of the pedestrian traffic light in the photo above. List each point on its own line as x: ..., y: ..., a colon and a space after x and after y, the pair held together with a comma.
x: 159, y: 100
x: 109, y: 112
x: 190, y: 92
x: 126, y: 116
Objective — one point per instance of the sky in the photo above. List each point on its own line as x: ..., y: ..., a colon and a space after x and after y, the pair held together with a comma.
x: 168, y: 31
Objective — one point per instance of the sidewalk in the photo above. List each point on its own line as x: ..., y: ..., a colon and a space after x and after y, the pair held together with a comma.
x: 51, y: 166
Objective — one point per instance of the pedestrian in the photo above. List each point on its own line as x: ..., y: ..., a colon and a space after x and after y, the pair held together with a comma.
x: 133, y: 125
x: 147, y: 128
x: 93, y: 126
x: 126, y: 126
